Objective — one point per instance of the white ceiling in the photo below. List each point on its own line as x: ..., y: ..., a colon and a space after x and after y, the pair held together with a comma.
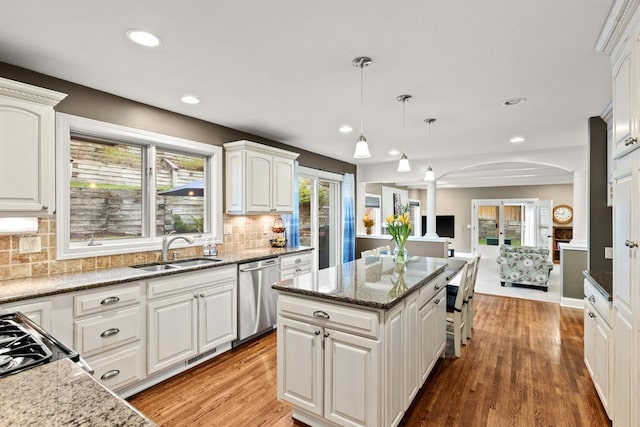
x: 282, y: 68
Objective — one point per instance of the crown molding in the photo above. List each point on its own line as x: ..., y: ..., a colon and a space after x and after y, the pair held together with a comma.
x: 31, y: 93
x: 615, y: 25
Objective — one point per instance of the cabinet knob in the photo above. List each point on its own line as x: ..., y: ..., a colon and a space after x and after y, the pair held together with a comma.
x: 630, y: 244
x: 592, y: 298
x: 195, y: 295
x: 591, y: 315
x: 630, y: 141
x: 436, y: 302
x: 317, y: 332
x: 326, y: 334
x: 45, y: 207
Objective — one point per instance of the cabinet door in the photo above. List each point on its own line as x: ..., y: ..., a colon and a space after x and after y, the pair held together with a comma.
x: 172, y: 331
x: 412, y: 348
x: 217, y: 314
x: 428, y: 325
x: 258, y: 191
x: 39, y: 312
x: 622, y: 373
x: 589, y: 330
x: 300, y: 365
x: 394, y: 366
x: 622, y: 254
x: 26, y: 133
x: 602, y: 344
x: 350, y: 379
x: 282, y: 185
x: 622, y: 105
x: 234, y: 166
x: 441, y: 326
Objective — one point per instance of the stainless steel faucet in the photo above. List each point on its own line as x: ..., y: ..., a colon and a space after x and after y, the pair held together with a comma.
x: 166, y: 243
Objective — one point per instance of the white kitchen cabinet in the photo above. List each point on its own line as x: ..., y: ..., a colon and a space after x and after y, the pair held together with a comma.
x: 599, y: 344
x: 120, y: 368
x: 624, y: 364
x: 623, y: 117
x: 40, y: 311
x: 290, y: 265
x: 433, y: 329
x: 412, y: 329
x: 259, y: 178
x: 27, y: 138
x: 327, y: 372
x: 190, y: 314
x: 394, y: 356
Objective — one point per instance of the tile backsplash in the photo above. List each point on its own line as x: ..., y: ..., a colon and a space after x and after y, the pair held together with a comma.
x: 247, y: 232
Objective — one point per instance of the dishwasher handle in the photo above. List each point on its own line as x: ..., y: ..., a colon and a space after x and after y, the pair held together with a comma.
x: 260, y: 267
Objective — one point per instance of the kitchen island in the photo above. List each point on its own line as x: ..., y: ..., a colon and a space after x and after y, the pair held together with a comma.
x: 357, y: 341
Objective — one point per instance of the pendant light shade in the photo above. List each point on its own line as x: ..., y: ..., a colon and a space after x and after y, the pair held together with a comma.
x: 362, y: 147
x: 429, y: 175
x: 403, y: 165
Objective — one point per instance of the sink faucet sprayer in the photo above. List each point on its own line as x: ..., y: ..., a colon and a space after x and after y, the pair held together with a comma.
x: 166, y: 243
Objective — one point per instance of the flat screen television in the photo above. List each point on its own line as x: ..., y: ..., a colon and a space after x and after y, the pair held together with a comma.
x: 445, y: 225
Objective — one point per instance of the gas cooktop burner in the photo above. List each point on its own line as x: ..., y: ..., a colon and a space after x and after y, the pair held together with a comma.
x: 19, y: 348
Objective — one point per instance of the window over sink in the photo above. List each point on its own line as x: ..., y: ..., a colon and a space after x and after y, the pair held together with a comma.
x: 120, y: 189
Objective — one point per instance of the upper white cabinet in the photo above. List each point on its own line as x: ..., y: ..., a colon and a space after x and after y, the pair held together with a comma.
x: 259, y: 178
x: 27, y: 135
x: 622, y: 119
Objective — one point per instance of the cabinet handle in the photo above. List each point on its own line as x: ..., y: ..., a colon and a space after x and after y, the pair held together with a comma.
x: 592, y: 298
x: 201, y: 295
x: 592, y: 315
x: 630, y: 141
x: 630, y: 244
x: 317, y: 332
x: 109, y: 300
x: 195, y: 295
x: 326, y: 334
x: 436, y: 287
x: 110, y: 374
x: 297, y: 261
x: 321, y: 314
x: 436, y: 302
x: 45, y: 207
x: 109, y: 332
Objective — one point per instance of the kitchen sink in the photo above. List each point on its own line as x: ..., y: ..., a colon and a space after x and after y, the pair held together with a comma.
x: 195, y: 262
x: 174, y: 265
x: 155, y: 267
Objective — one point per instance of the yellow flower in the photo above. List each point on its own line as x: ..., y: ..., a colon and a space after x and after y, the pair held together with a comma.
x: 390, y: 219
x: 401, y: 219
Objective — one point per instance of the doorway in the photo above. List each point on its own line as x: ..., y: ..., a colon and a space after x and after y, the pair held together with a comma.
x: 320, y: 204
x: 515, y: 222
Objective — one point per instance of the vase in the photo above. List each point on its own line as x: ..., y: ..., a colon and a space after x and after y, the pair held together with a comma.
x: 368, y: 229
x: 400, y: 254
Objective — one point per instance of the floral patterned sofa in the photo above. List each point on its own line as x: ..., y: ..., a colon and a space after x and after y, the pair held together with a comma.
x: 525, y: 265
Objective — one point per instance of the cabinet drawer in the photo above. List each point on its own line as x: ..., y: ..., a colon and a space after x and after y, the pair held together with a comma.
x: 108, y: 330
x: 294, y: 261
x: 120, y: 368
x: 106, y: 299
x: 178, y: 283
x: 428, y: 291
x: 333, y: 316
x: 603, y: 306
x: 290, y: 273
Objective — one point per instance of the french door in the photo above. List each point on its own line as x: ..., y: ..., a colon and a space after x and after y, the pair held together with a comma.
x: 320, y: 203
x: 515, y: 222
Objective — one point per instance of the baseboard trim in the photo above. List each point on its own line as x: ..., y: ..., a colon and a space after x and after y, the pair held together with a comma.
x: 572, y: 302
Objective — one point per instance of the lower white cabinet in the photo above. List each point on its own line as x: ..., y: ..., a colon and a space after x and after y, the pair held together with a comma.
x: 622, y: 366
x: 432, y: 333
x: 120, y: 368
x: 300, y: 263
x: 328, y: 373
x: 197, y: 315
x: 40, y: 311
x: 598, y: 353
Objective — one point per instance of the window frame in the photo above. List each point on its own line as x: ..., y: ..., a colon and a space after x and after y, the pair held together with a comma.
x: 67, y: 124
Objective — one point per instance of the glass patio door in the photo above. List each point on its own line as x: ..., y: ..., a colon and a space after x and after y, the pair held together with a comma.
x: 488, y: 234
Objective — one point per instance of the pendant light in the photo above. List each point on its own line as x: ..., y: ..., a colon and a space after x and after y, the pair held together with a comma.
x: 429, y: 175
x: 403, y: 165
x: 362, y: 148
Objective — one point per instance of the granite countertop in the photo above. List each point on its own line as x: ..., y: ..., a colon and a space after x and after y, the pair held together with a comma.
x: 602, y: 281
x: 32, y: 287
x: 370, y: 281
x: 62, y: 394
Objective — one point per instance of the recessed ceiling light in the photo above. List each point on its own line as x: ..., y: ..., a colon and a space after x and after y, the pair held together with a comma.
x: 189, y: 99
x: 345, y: 129
x: 517, y: 139
x: 514, y: 101
x: 394, y: 152
x: 143, y: 38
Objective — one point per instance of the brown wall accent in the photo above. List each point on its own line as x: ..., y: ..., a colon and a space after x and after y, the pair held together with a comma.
x: 574, y: 262
x: 600, y: 215
x: 94, y: 104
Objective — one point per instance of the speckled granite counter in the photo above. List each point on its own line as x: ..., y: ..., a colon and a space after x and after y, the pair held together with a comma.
x: 370, y: 281
x: 602, y: 281
x: 62, y: 394
x: 38, y: 286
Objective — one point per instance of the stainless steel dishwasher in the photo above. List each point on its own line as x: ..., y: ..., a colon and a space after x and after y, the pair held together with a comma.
x: 256, y: 298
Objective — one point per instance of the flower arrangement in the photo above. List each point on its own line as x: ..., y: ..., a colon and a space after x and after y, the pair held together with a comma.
x: 367, y: 221
x: 399, y: 227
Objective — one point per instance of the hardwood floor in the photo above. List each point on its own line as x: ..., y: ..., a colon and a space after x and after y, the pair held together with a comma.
x: 523, y: 367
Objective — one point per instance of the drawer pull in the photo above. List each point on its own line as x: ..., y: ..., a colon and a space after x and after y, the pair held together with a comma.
x: 436, y: 302
x: 110, y: 374
x: 320, y: 314
x: 436, y: 287
x: 109, y: 332
x: 592, y: 315
x: 630, y: 141
x: 592, y: 298
x: 109, y: 300
x: 298, y: 261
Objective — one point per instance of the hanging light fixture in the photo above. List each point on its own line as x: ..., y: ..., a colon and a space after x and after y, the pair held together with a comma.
x: 429, y: 175
x: 403, y: 165
x: 362, y: 147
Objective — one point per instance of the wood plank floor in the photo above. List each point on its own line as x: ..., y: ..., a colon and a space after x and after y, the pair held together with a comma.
x: 523, y: 367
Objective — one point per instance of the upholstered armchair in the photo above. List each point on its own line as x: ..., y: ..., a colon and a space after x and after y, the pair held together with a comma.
x: 525, y: 265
